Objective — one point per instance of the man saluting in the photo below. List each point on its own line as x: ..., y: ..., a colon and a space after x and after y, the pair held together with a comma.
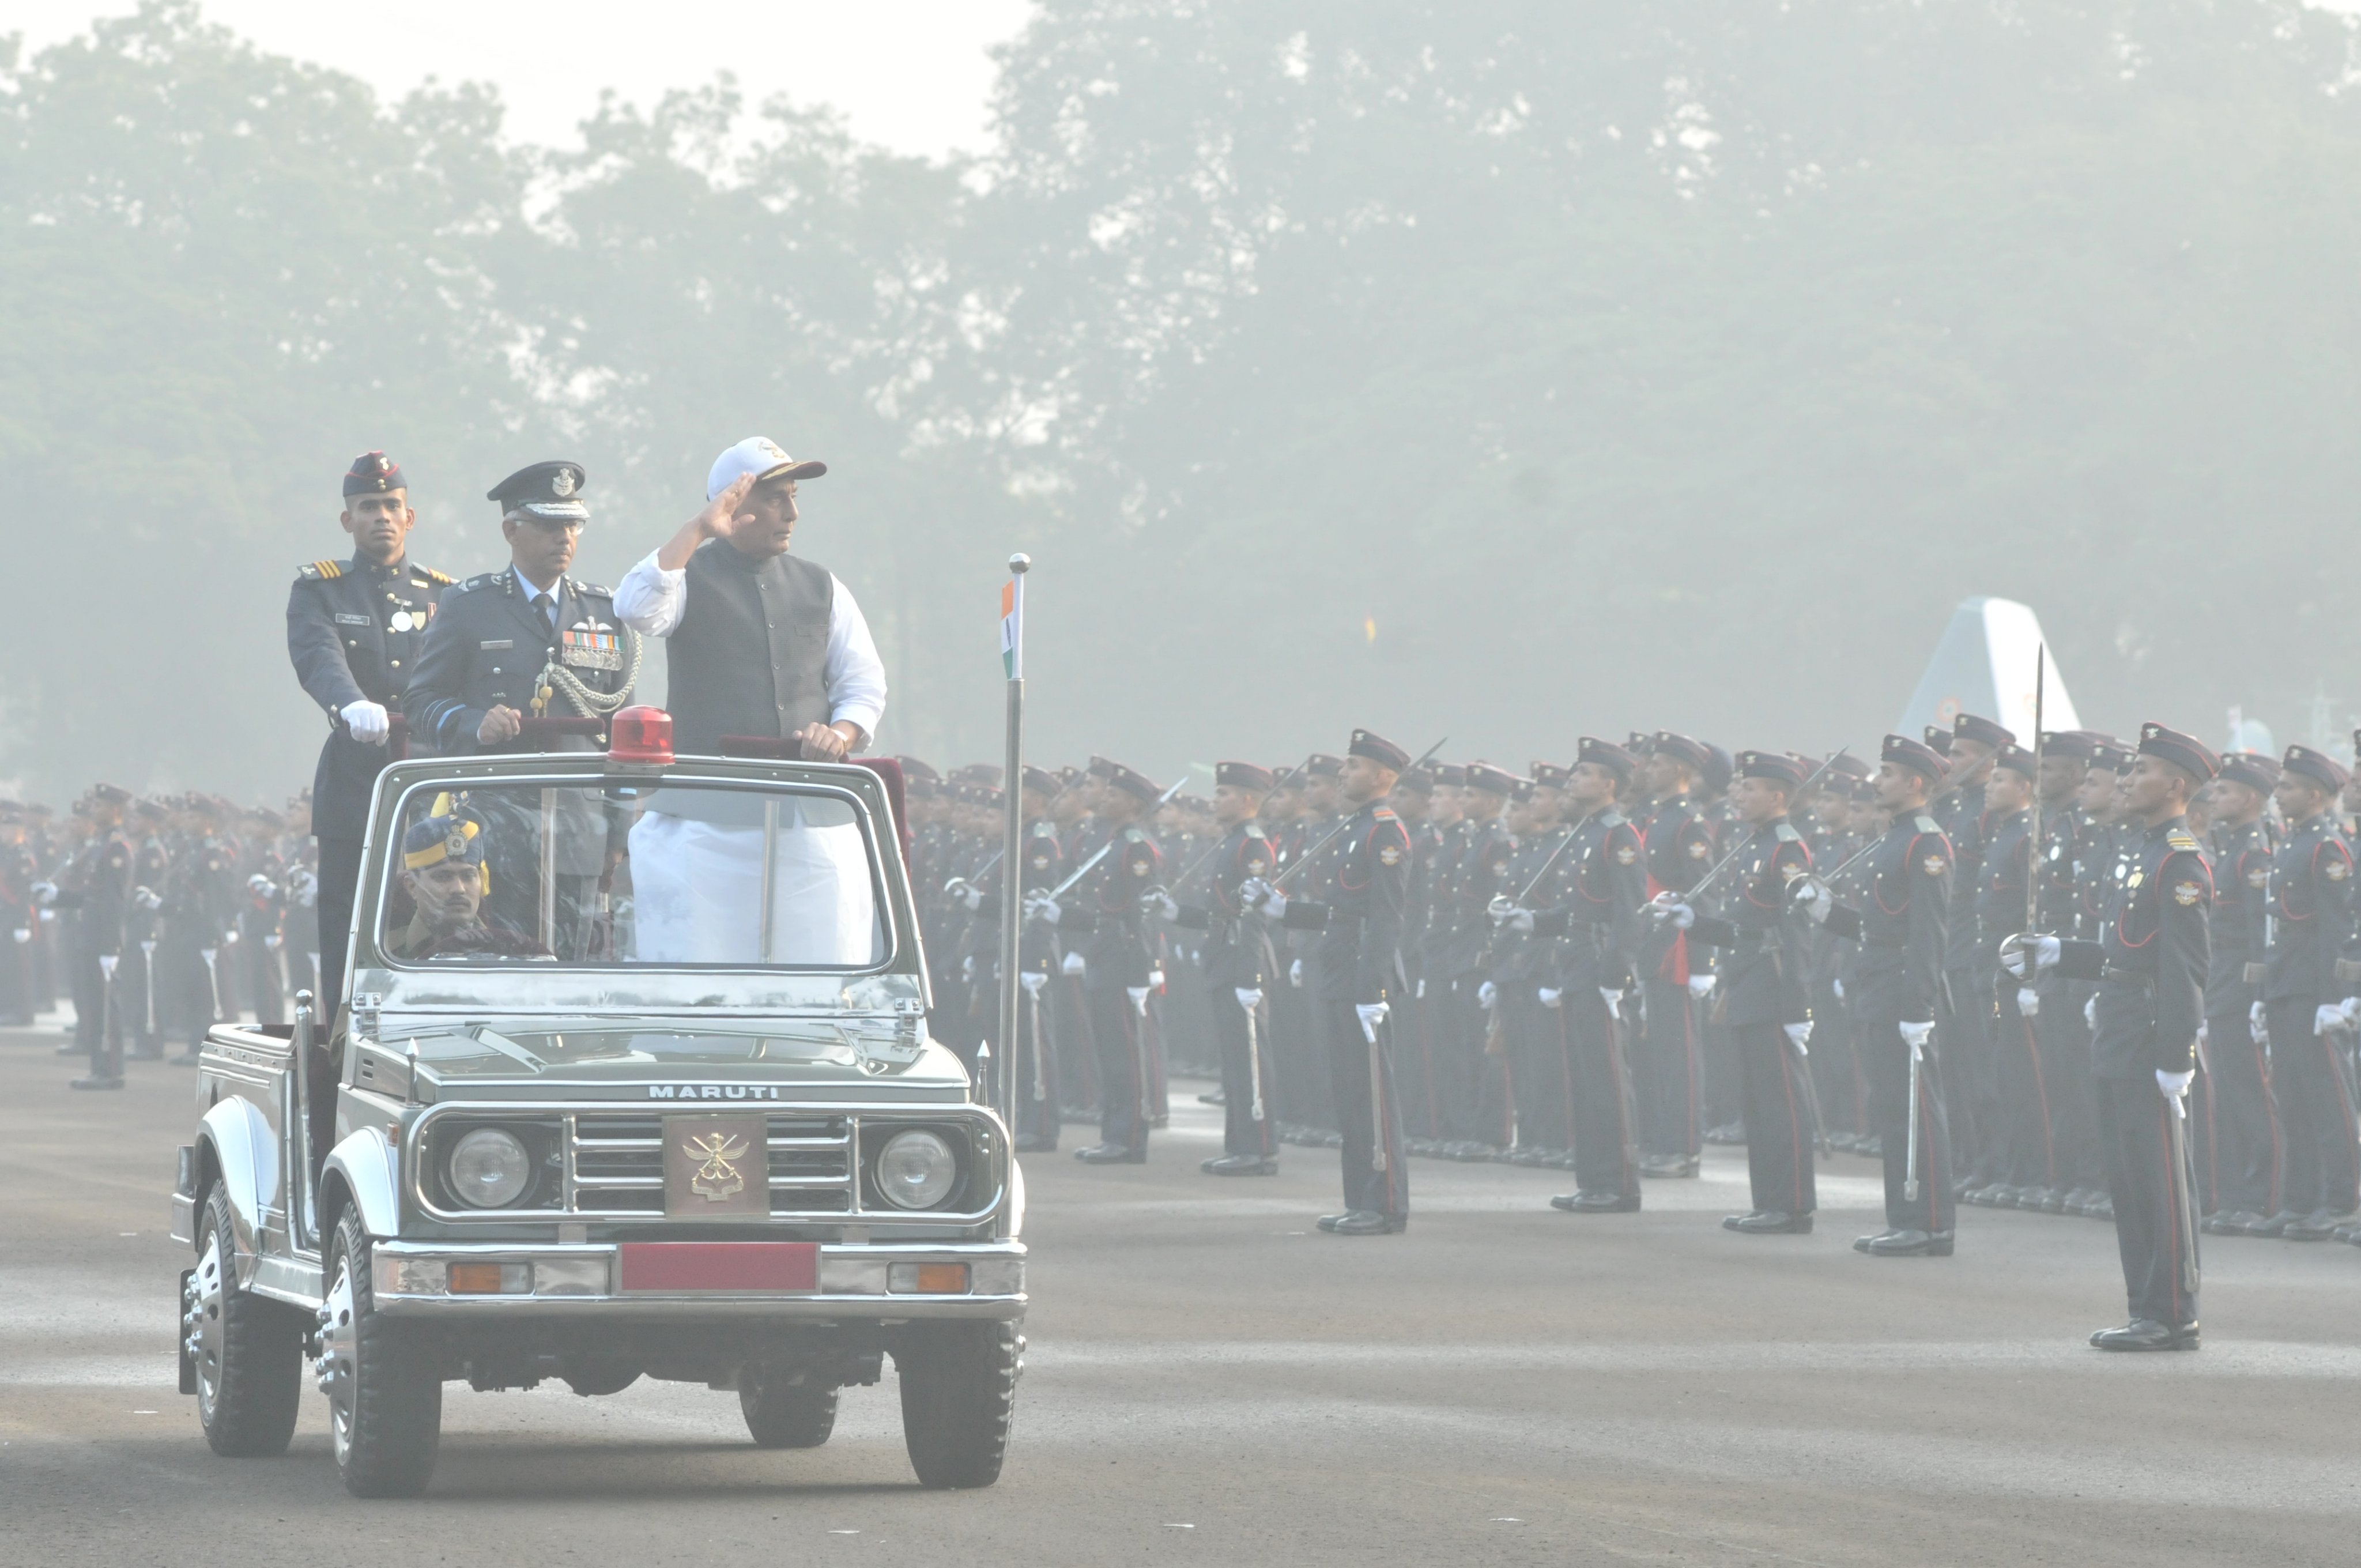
x: 761, y: 643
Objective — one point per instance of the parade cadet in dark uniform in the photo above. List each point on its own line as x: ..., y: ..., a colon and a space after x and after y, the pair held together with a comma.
x: 1679, y: 848
x: 2025, y: 1168
x: 2149, y: 962
x: 1358, y: 905
x: 1240, y: 967
x: 1598, y: 921
x: 2311, y: 914
x: 531, y: 640
x: 95, y: 886
x: 1762, y: 992
x: 355, y: 631
x: 1101, y: 917
x: 1034, y: 1066
x: 1478, y: 876
x: 151, y: 867
x: 2239, y: 1100
x: 1969, y: 1069
x: 1528, y: 1001
x: 1902, y: 926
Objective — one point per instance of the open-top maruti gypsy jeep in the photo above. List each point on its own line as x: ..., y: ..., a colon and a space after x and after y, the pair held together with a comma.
x: 632, y: 1079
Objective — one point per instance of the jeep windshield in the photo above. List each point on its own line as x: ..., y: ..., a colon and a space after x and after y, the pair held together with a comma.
x: 623, y: 874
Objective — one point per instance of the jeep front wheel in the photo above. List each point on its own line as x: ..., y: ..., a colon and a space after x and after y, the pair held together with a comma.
x: 781, y: 1414
x: 385, y: 1391
x: 959, y: 1394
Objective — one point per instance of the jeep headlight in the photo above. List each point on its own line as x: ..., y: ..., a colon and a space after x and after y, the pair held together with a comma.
x: 916, y: 1169
x: 488, y: 1168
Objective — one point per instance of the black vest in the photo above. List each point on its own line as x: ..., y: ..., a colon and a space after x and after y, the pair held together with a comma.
x: 749, y: 656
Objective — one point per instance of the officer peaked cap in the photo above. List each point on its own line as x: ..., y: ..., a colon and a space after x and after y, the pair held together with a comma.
x: 2015, y: 758
x: 2252, y: 769
x: 2317, y: 766
x: 1915, y: 755
x: 1606, y: 754
x: 1681, y: 749
x: 1967, y: 726
x: 1376, y: 747
x: 1777, y: 766
x: 545, y: 491
x: 1243, y: 775
x: 2183, y: 752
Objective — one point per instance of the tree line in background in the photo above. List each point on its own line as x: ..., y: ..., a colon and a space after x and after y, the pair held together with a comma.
x: 1507, y: 368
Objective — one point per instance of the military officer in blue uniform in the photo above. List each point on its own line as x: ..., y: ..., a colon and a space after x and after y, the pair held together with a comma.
x: 354, y: 629
x: 531, y: 641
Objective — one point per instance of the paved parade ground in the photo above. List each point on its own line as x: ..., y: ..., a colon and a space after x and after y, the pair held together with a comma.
x: 1210, y: 1382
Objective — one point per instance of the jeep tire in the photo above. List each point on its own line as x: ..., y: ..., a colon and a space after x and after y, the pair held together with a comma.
x: 246, y: 1350
x: 385, y: 1391
x: 780, y: 1414
x: 958, y: 1394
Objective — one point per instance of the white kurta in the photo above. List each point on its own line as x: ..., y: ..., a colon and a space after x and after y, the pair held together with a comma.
x: 697, y: 891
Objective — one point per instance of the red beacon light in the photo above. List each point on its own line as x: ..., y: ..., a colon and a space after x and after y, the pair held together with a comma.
x: 640, y: 734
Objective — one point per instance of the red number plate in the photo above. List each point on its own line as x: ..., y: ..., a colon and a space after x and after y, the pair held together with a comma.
x: 721, y: 1265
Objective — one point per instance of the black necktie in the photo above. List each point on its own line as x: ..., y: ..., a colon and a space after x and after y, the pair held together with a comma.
x: 547, y: 608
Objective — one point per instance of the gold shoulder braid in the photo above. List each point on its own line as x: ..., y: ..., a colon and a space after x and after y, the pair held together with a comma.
x: 556, y: 677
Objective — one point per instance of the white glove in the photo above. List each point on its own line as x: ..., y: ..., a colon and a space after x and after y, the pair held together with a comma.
x: 1071, y: 964
x: 1419, y: 992
x: 366, y: 721
x: 2203, y: 1032
x: 1249, y: 996
x: 22, y: 933
x: 2174, y: 1084
x: 968, y: 896
x: 1487, y: 996
x: 1156, y: 978
x: 1509, y: 918
x: 1371, y: 1014
x: 1800, y: 1036
x: 1837, y: 986
x: 272, y: 940
x: 45, y: 893
x: 1160, y: 903
x: 1915, y: 1036
x: 1667, y: 909
x: 262, y: 886
x: 1043, y: 907
x: 1550, y: 998
x: 2350, y: 1008
x: 1614, y: 999
x: 2028, y: 1001
x: 2327, y: 1017
x: 1812, y: 897
x: 2044, y: 950
x: 1032, y: 980
x: 1701, y: 985
x: 1295, y: 974
x: 2090, y: 1011
x: 305, y: 886
x: 967, y: 969
x: 1264, y: 899
x: 2258, y: 1023
x: 229, y: 938
x: 1138, y: 994
x: 147, y: 898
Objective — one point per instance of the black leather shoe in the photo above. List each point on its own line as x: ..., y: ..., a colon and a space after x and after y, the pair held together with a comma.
x: 1597, y: 1202
x: 96, y: 1081
x: 1330, y: 1221
x: 2274, y: 1223
x: 1977, y: 1197
x: 1215, y: 1097
x: 1366, y: 1223
x: 1728, y: 1133
x: 2229, y: 1222
x: 1240, y: 1165
x: 2053, y: 1202
x: 1906, y: 1244
x: 1673, y: 1167
x: 1766, y: 1223
x: 2316, y: 1226
x: 2102, y: 1208
x: 2147, y: 1333
x: 1110, y: 1154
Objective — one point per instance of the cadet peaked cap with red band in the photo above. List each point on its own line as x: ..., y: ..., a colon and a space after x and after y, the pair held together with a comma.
x: 373, y: 474
x: 1969, y: 726
x: 1681, y: 749
x: 2252, y: 769
x: 1377, y: 749
x: 2080, y: 745
x: 1243, y: 776
x: 1777, y: 766
x: 1606, y: 754
x: 1915, y: 755
x: 1320, y: 764
x: 1041, y: 781
x: 1938, y: 739
x: 1549, y: 775
x: 2016, y: 760
x: 1491, y: 780
x: 1136, y: 785
x: 2317, y: 766
x: 2184, y: 751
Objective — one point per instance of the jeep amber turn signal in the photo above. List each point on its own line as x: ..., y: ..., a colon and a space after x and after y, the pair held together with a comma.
x: 927, y: 1279
x: 490, y: 1280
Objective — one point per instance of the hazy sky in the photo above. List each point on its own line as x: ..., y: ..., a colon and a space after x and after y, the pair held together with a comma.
x: 911, y: 74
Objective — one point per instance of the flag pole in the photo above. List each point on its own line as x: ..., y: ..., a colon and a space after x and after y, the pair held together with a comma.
x: 1012, y: 848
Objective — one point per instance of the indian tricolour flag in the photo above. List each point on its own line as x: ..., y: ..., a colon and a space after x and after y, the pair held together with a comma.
x: 1012, y: 627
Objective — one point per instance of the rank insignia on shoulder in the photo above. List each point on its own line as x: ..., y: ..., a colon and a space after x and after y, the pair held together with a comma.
x: 481, y: 580
x: 319, y: 571
x: 1383, y: 814
x: 439, y: 579
x: 2178, y: 839
x: 2186, y: 894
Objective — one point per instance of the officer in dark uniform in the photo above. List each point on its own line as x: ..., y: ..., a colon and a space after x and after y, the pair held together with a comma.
x: 1970, y: 1069
x: 2024, y: 1169
x: 531, y: 641
x: 2150, y: 962
x: 1596, y: 926
x: 354, y: 632
x: 1479, y: 868
x: 1357, y: 906
x: 1762, y: 994
x: 2240, y: 1104
x: 96, y: 889
x: 1679, y: 849
x: 1102, y: 911
x: 1903, y: 930
x: 1240, y: 967
x: 2306, y: 978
